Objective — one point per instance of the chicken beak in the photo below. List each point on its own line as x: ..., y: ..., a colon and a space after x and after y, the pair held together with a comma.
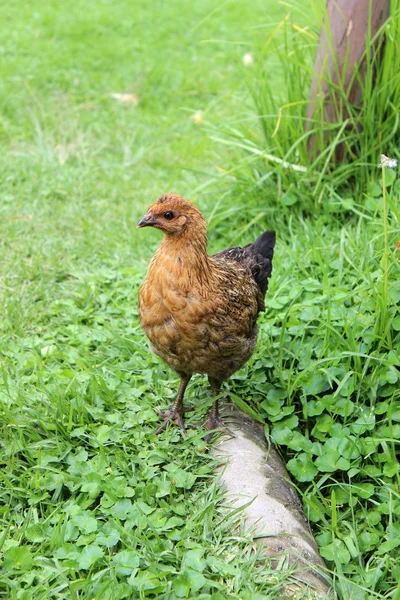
x: 147, y: 221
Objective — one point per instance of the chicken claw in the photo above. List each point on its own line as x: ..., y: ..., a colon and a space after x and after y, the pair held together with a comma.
x: 214, y: 422
x: 173, y: 415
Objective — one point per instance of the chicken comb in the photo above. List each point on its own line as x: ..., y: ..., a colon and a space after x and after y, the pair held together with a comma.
x: 170, y: 197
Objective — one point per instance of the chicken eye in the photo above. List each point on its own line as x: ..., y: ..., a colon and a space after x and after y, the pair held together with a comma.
x: 168, y: 215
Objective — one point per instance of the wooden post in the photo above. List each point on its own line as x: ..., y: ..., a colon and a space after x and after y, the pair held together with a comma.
x: 342, y: 43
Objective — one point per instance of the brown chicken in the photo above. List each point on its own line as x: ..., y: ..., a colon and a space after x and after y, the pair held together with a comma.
x: 198, y: 311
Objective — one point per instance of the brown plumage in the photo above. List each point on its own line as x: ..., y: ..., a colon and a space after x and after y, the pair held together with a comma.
x: 198, y: 311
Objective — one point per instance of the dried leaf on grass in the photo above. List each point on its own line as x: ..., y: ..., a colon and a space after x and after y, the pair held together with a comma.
x: 127, y: 98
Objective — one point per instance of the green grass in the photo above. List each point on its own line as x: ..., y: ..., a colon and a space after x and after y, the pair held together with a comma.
x: 299, y: 153
x: 92, y: 505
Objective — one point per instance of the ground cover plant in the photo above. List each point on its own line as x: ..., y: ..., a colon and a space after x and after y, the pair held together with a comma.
x: 91, y: 503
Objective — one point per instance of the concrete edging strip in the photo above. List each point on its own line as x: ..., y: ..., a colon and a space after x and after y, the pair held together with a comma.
x: 254, y: 475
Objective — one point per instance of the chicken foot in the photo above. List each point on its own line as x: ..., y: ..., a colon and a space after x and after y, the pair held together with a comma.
x: 214, y: 421
x: 177, y: 410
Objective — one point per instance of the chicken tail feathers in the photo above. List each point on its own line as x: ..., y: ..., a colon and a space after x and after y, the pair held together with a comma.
x: 265, y: 244
x: 262, y: 252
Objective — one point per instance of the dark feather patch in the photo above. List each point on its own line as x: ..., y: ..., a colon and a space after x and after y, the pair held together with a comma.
x: 256, y: 256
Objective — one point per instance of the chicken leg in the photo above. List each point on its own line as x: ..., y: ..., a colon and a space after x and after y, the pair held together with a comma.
x: 175, y: 413
x: 213, y: 421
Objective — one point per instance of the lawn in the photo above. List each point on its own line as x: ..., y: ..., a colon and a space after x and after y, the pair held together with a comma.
x: 92, y: 504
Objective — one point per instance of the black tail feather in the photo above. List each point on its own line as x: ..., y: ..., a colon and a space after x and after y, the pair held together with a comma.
x: 263, y: 252
x: 265, y: 244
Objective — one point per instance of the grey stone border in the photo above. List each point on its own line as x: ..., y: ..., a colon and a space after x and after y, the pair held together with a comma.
x: 255, y: 478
